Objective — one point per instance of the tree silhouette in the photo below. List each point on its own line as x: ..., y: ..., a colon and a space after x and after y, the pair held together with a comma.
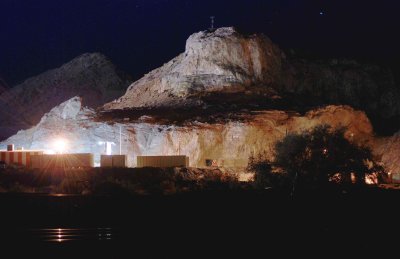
x: 317, y: 157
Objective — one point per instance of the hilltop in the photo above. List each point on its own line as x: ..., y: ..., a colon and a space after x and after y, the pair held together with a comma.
x: 91, y: 76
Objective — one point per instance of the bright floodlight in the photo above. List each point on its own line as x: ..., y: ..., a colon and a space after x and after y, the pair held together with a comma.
x: 60, y: 145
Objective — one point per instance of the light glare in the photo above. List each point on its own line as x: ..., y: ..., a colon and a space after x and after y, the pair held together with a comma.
x: 60, y: 145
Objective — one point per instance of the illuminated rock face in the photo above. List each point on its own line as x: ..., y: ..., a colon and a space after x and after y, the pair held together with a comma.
x: 388, y: 149
x: 227, y: 62
x: 222, y: 61
x: 91, y: 76
x: 231, y: 144
x: 218, y: 61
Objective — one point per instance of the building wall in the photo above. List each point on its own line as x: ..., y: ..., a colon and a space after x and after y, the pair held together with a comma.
x: 162, y: 161
x: 113, y: 161
x: 62, y: 161
x: 20, y: 157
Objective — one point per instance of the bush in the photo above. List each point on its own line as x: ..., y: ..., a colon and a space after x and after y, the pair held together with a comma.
x: 314, y: 158
x: 265, y: 176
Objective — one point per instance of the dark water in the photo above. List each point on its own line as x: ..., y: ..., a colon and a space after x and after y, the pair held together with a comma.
x: 66, y: 234
x: 192, y: 224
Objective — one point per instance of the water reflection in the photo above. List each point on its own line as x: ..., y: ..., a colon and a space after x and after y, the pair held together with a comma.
x: 71, y: 234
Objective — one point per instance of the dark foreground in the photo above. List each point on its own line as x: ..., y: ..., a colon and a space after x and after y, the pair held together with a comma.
x: 208, y: 225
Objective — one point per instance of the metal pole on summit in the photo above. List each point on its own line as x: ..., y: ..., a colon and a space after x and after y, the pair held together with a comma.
x: 120, y: 140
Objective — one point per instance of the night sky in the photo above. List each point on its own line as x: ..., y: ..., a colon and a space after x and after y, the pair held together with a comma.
x: 36, y: 35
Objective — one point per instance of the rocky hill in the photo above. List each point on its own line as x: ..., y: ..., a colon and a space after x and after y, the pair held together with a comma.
x: 91, y: 76
x: 362, y: 86
x: 222, y: 61
x: 224, y: 68
x: 227, y: 97
x: 231, y: 144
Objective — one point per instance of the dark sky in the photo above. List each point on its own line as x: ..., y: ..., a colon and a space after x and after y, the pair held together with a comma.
x: 139, y: 35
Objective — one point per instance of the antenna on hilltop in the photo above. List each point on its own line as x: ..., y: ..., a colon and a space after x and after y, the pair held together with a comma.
x: 212, y: 22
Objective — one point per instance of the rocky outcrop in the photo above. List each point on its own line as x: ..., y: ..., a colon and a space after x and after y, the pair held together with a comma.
x: 213, y: 62
x: 388, y: 150
x: 177, y: 108
x: 225, y: 61
x: 91, y: 76
x: 230, y: 143
x: 366, y: 87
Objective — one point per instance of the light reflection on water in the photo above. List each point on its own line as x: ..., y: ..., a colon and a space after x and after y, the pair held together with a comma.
x: 71, y: 234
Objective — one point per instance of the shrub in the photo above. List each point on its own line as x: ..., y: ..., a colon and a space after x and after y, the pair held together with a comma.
x: 313, y: 158
x: 265, y: 176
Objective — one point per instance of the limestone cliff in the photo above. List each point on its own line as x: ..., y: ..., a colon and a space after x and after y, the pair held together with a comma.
x: 91, y: 76
x: 229, y: 63
x: 229, y: 143
x: 388, y: 149
x: 227, y: 97
x: 213, y: 62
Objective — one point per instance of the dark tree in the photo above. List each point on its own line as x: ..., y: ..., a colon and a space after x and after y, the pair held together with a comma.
x: 317, y: 157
